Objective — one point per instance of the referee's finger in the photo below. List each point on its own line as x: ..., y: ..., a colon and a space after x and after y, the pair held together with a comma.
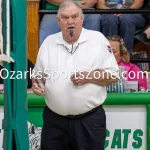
x: 37, y: 92
x: 75, y: 75
x: 36, y: 89
x: 77, y: 82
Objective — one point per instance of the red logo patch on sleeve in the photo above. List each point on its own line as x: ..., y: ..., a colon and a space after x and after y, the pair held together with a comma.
x: 109, y: 48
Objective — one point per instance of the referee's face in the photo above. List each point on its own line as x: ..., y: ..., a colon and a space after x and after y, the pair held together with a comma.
x: 70, y: 18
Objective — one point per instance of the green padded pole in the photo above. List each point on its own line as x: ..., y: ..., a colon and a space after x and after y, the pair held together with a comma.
x: 7, y: 138
x: 15, y: 97
x: 19, y: 111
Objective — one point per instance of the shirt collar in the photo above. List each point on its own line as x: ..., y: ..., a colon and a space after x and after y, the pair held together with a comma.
x: 82, y: 38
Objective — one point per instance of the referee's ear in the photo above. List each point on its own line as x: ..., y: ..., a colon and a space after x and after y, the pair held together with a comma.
x: 58, y: 19
x: 82, y: 17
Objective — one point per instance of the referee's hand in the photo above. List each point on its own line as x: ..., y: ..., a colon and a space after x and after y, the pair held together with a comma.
x: 38, y: 87
x: 80, y: 78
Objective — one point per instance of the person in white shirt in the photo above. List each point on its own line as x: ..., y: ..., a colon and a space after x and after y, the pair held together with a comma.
x: 72, y: 70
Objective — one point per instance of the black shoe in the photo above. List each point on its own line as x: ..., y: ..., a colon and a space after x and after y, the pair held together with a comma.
x: 143, y: 38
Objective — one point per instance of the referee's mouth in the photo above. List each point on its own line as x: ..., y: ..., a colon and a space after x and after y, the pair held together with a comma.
x: 71, y: 28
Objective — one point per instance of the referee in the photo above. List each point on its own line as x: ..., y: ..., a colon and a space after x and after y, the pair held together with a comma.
x: 72, y: 70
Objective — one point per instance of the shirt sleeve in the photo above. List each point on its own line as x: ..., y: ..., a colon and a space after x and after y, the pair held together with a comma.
x: 38, y: 70
x: 109, y: 62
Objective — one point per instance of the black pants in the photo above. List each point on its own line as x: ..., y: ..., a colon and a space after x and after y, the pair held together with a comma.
x: 83, y: 133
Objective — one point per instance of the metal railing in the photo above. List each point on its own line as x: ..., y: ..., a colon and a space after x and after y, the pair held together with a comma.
x: 140, y: 60
x: 104, y: 11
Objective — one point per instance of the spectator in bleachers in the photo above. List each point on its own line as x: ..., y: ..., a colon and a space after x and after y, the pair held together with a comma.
x: 50, y: 26
x: 124, y: 25
x: 145, y: 35
x: 123, y: 59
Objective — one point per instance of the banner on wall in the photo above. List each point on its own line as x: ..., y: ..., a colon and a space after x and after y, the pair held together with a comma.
x: 126, y: 129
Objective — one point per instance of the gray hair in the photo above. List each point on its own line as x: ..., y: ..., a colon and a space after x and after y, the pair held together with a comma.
x: 68, y: 3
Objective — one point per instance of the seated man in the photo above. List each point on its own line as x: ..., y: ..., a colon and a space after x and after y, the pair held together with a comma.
x: 50, y: 26
x: 122, y: 24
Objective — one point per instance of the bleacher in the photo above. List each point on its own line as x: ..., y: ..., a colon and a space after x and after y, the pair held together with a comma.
x: 35, y: 11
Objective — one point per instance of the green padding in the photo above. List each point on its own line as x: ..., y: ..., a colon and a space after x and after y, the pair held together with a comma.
x: 112, y: 99
x: 35, y: 100
x: 9, y: 123
x: 1, y: 99
x: 128, y: 99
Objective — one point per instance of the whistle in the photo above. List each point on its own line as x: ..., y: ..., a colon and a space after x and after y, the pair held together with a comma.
x: 71, y: 32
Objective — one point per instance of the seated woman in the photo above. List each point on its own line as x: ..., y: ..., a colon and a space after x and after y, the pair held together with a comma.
x: 123, y: 59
